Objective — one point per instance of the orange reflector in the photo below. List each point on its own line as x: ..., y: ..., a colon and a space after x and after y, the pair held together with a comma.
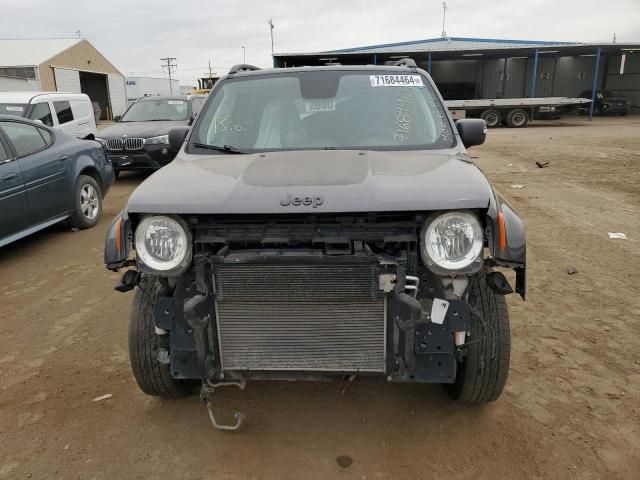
x: 502, y: 232
x: 119, y: 235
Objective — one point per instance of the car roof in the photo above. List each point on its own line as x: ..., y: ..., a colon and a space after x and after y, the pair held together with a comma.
x: 323, y: 68
x: 149, y: 98
x: 26, y: 97
x: 15, y: 118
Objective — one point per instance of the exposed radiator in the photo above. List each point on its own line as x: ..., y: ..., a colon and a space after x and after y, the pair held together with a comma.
x: 321, y: 317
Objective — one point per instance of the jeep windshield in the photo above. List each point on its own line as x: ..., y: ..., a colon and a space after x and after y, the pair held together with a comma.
x: 333, y: 109
x: 156, y: 111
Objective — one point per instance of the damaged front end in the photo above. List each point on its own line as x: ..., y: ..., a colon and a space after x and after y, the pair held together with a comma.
x: 311, y: 296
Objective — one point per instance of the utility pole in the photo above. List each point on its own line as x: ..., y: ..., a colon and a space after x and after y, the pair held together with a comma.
x: 170, y: 63
x: 444, y: 16
x: 244, y: 55
x: 210, y: 83
x: 271, y: 29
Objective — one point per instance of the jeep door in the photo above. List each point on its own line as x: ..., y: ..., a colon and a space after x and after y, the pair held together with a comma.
x: 13, y: 199
x: 44, y: 170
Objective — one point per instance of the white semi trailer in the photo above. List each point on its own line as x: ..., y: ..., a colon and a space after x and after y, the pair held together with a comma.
x: 513, y: 112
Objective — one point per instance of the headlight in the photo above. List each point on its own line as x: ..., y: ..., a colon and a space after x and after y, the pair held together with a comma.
x: 452, y: 243
x: 101, y: 140
x: 161, y: 140
x: 163, y: 245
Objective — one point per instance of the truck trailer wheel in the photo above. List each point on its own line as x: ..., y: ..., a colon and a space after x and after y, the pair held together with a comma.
x: 492, y: 117
x: 153, y: 378
x: 483, y: 372
x: 517, y: 118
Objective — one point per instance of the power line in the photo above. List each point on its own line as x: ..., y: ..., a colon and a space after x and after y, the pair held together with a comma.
x: 214, y: 67
x: 170, y: 63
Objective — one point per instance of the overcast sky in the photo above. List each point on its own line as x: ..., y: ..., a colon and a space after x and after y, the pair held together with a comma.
x: 135, y: 34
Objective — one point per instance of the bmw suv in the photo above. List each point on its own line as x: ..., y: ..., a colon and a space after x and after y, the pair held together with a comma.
x: 139, y: 139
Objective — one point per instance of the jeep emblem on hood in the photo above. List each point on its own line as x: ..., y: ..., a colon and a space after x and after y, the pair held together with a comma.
x: 316, y: 201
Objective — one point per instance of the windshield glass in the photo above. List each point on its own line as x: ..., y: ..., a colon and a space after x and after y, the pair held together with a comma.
x: 156, y: 110
x: 324, y: 110
x: 18, y: 109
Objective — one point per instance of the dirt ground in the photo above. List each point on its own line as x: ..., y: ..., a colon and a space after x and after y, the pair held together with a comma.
x: 570, y: 410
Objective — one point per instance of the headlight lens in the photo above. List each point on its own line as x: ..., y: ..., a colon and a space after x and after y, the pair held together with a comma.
x: 161, y: 140
x: 452, y: 242
x: 163, y: 245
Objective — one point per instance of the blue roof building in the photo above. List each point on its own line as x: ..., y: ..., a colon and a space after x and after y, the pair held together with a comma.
x: 477, y: 68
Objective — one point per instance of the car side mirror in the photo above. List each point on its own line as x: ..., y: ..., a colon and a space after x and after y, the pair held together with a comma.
x: 117, y: 118
x: 473, y: 131
x: 176, y: 137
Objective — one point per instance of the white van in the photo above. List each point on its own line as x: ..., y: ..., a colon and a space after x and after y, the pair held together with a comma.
x: 70, y: 112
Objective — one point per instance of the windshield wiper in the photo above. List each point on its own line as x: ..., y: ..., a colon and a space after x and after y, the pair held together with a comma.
x: 224, y: 148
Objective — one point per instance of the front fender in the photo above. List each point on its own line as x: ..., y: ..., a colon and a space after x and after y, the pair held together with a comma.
x: 118, y: 241
x: 506, y: 239
x: 93, y: 157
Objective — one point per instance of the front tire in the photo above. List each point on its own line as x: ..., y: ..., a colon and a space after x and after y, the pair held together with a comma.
x: 88, y: 203
x: 153, y: 378
x: 483, y: 373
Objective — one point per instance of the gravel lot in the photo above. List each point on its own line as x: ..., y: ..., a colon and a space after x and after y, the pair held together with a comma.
x: 570, y: 410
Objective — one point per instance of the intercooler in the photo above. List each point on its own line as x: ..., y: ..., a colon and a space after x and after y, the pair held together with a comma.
x: 326, y: 317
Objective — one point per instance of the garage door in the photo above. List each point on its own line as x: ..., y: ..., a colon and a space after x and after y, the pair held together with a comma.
x: 117, y: 95
x: 67, y: 80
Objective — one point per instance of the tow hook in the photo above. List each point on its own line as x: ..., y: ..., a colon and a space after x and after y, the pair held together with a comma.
x: 498, y: 283
x: 130, y: 279
x: 206, y: 396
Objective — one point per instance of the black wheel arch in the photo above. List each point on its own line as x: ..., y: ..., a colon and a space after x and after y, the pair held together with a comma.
x: 506, y: 238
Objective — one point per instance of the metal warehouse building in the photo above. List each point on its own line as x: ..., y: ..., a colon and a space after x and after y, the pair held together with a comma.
x: 476, y: 68
x: 63, y: 64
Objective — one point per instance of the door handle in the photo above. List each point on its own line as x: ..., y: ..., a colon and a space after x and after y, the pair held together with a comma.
x: 10, y: 177
x: 63, y: 158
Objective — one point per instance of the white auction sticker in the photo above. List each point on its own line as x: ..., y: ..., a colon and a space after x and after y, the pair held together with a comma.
x: 14, y: 109
x: 312, y: 106
x: 176, y: 102
x: 439, y: 310
x: 396, y: 80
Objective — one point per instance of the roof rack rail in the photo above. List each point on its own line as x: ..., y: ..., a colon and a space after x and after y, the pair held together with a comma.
x: 242, y: 67
x: 405, y: 62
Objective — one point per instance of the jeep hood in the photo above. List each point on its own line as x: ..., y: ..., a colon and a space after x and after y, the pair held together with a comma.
x: 138, y: 129
x: 344, y: 180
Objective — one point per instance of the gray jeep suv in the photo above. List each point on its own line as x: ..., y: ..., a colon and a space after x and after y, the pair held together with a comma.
x: 320, y: 222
